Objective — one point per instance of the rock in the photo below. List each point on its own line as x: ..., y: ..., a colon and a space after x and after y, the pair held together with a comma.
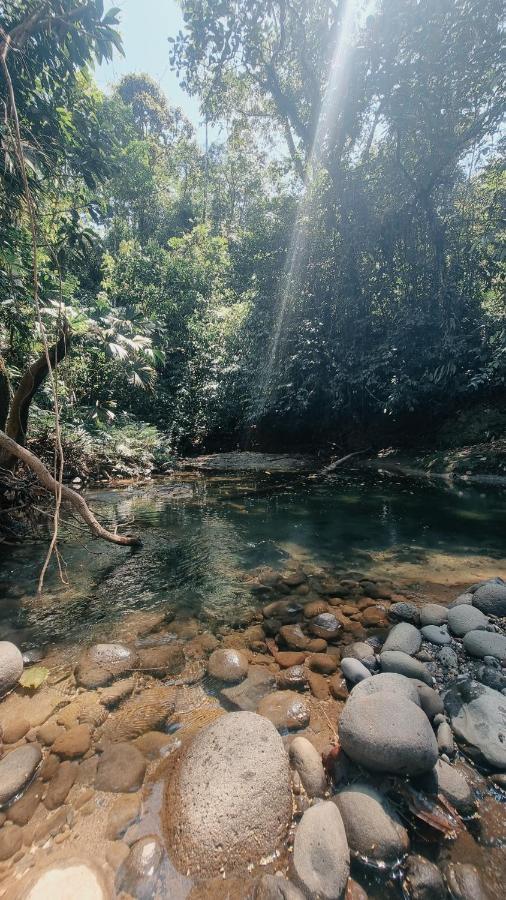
x: 23, y: 809
x: 228, y: 665
x: 162, y: 661
x: 123, y: 813
x: 478, y: 718
x: 445, y: 740
x: 464, y: 882
x: 404, y: 637
x: 112, y: 696
x: 396, y: 661
x: 321, y: 858
x: 363, y: 652
x: 228, y: 801
x: 448, y: 658
x: 461, y: 600
x: 60, y: 785
x: 138, y: 875
x: 485, y: 643
x: 436, y: 634
x: 11, y: 666
x: 325, y: 626
x: 492, y: 677
x: 276, y: 887
x: 462, y: 619
x: 153, y: 744
x: 322, y: 662
x: 373, y: 829
x: 11, y: 840
x: 112, y: 656
x: 404, y: 612
x: 285, y: 709
x: 386, y: 732
x: 423, y: 880
x: 145, y: 712
x: 338, y: 688
x: 74, y: 743
x: 353, y: 670
x: 317, y: 645
x: 430, y: 701
x: 66, y: 878
x: 120, y: 769
x: 247, y: 694
x: 12, y: 730
x: 288, y: 658
x: 49, y: 731
x: 318, y: 685
x: 315, y: 608
x: 372, y: 616
x: 308, y: 763
x: 490, y: 598
x: 449, y: 781
x: 387, y: 681
x: 354, y: 891
x: 433, y: 614
x: 17, y: 769
x: 116, y: 854
x: 294, y: 637
x: 292, y: 679
x: 91, y: 676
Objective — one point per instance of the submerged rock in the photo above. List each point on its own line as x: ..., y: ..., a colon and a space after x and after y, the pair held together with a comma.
x: 478, y: 718
x: 120, y: 769
x: 138, y: 875
x: 228, y: 665
x: 423, y: 880
x: 228, y: 801
x: 247, y: 695
x: 285, y: 709
x: 321, y: 858
x: 17, y: 769
x: 11, y: 666
x: 373, y: 828
x: 464, y: 882
x: 386, y: 732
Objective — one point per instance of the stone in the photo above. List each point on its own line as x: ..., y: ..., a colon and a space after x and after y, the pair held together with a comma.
x: 445, y: 741
x: 152, y: 744
x: 317, y: 645
x: 353, y: 670
x: 123, y: 813
x: 60, y: 785
x: 387, y: 681
x: 138, y: 875
x: 322, y: 662
x: 294, y: 637
x: 276, y: 887
x: 11, y: 666
x: 448, y: 658
x: 49, y: 767
x: 461, y: 600
x: 433, y: 614
x: 354, y: 891
x: 247, y: 694
x: 404, y: 637
x: 23, y: 809
x: 228, y: 665
x: 404, y: 612
x: 286, y: 710
x: 145, y: 712
x: 464, y: 882
x: 462, y: 619
x: 74, y: 743
x: 17, y: 769
x: 287, y: 658
x: 112, y: 656
x: 490, y: 598
x: 449, y: 781
x: 363, y: 652
x: 373, y: 828
x: 321, y: 859
x: 396, y: 661
x: 308, y: 763
x: 372, y: 616
x: 11, y: 840
x: 120, y: 769
x: 66, y: 879
x: 422, y: 879
x: 116, y: 854
x: 90, y: 676
x: 315, y: 608
x: 436, y: 634
x: 318, y: 685
x: 478, y: 719
x: 325, y: 626
x: 228, y: 800
x: 338, y: 688
x: 485, y: 643
x: 49, y: 731
x: 430, y: 701
x: 292, y: 679
x: 162, y: 661
x: 386, y: 732
x: 491, y: 676
x: 112, y: 696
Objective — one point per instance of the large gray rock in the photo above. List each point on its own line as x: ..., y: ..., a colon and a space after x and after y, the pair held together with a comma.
x: 17, y: 769
x: 485, y: 643
x: 436, y: 634
x: 11, y: 666
x: 462, y: 600
x: 228, y: 800
x: 321, y: 858
x: 490, y: 598
x: 373, y: 828
x: 478, y: 719
x: 386, y: 732
x: 433, y: 614
x: 462, y: 619
x: 308, y: 763
x: 387, y: 681
x: 396, y: 661
x: 353, y: 670
x: 404, y: 637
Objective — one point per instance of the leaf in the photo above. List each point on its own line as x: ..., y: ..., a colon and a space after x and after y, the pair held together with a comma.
x: 34, y: 677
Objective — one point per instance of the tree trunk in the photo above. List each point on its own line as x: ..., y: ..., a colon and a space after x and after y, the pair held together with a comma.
x: 11, y: 448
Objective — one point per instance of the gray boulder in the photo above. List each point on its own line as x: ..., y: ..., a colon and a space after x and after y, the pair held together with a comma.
x: 462, y: 619
x: 404, y: 637
x: 429, y: 699
x: 433, y: 614
x: 228, y: 800
x: 11, y: 666
x: 373, y: 828
x: 353, y: 670
x: 396, y: 661
x: 321, y: 858
x: 436, y: 634
x: 490, y: 598
x: 462, y: 600
x: 478, y: 718
x: 308, y: 763
x: 386, y: 732
x: 387, y: 681
x: 17, y: 769
x: 485, y: 643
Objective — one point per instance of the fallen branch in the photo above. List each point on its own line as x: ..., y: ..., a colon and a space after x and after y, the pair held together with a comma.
x: 338, y: 462
x: 68, y: 495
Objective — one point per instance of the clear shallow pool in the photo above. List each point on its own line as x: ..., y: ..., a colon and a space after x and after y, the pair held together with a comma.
x: 202, y: 536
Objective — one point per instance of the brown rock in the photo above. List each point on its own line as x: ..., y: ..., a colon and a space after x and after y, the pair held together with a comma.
x: 315, y: 608
x: 295, y: 578
x: 23, y: 809
x: 365, y: 602
x: 288, y: 658
x: 348, y: 610
x: 119, y: 691
x: 49, y: 767
x: 294, y: 637
x: 326, y: 626
x: 323, y: 663
x: 123, y: 813
x: 319, y: 685
x: 317, y: 645
x: 121, y: 769
x: 13, y: 729
x: 91, y: 676
x: 354, y: 891
x: 285, y: 709
x: 60, y: 785
x: 11, y: 840
x: 146, y: 712
x: 50, y: 731
x: 152, y: 743
x: 161, y: 661
x: 228, y: 665
x: 338, y: 687
x: 51, y: 825
x: 372, y: 616
x: 74, y: 743
x: 116, y: 854
x: 293, y: 678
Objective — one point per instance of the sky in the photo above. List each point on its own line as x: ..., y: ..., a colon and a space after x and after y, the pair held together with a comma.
x: 145, y: 26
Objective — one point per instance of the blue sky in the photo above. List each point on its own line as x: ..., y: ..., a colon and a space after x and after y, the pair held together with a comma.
x: 145, y: 26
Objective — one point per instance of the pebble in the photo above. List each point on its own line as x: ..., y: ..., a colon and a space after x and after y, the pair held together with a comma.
x: 445, y: 741
x: 74, y: 743
x: 308, y: 763
x: 120, y: 769
x: 318, y: 685
x: 430, y: 701
x: 11, y: 666
x: 286, y: 710
x: 363, y: 652
x: 294, y: 637
x: 338, y: 688
x: 111, y: 696
x: 287, y: 658
x: 448, y: 658
x: 353, y: 670
x: 247, y: 694
x: 321, y: 858
x: 23, y: 809
x: 490, y: 598
x: 373, y: 828
x: 423, y: 880
x: 322, y: 662
x: 461, y: 600
x: 396, y: 661
x: 325, y: 625
x: 462, y: 619
x: 486, y: 643
x: 436, y: 634
x: 16, y: 770
x: 123, y: 813
x: 228, y: 665
x: 403, y: 637
x: 433, y: 614
x: 294, y: 678
x: 138, y: 875
x: 162, y: 661
x: 60, y: 785
x: 447, y: 780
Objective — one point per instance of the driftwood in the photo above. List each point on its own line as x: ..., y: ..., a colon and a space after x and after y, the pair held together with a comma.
x: 338, y: 462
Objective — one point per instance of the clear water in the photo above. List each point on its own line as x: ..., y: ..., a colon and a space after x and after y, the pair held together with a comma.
x: 203, y: 535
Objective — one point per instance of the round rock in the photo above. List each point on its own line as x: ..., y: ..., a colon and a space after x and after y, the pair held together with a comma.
x: 138, y: 875
x: 423, y: 880
x: 353, y: 670
x: 286, y: 710
x: 436, y: 634
x: 308, y: 763
x: 11, y: 666
x: 228, y: 801
x: 404, y: 637
x: 321, y: 858
x: 464, y: 882
x: 490, y: 598
x: 276, y: 887
x: 386, y: 732
x: 387, y: 681
x: 373, y: 828
x: 485, y: 643
x: 325, y: 626
x: 112, y: 656
x: 16, y: 770
x: 433, y: 614
x: 462, y: 619
x: 404, y: 612
x: 396, y: 661
x: 228, y: 665
x: 120, y: 769
x: 363, y: 652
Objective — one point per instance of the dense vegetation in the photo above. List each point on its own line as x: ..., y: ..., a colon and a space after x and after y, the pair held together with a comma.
x: 330, y: 270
